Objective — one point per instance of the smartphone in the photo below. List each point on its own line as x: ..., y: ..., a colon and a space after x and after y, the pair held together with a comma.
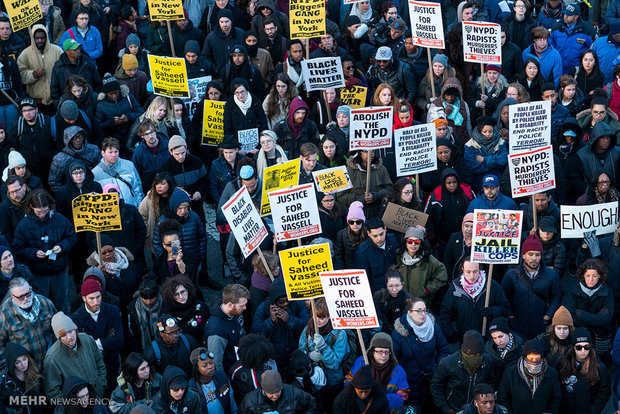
x: 175, y: 247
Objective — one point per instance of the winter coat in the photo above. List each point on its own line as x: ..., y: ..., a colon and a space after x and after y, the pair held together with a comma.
x: 249, y: 72
x: 550, y: 62
x: 591, y: 164
x: 554, y: 254
x: 177, y: 355
x: 569, y: 161
x: 148, y: 164
x: 376, y: 260
x: 594, y: 312
x: 218, y: 45
x: 584, y: 119
x: 286, y: 137
x: 607, y: 52
x: 495, y: 96
x: 528, y: 215
x: 221, y: 336
x: 10, y: 216
x: 291, y: 401
x: 456, y: 251
x: 519, y: 32
x: 180, y: 37
x: 191, y: 316
x: 86, y: 102
x: 163, y: 401
x: 63, y: 68
x: 399, y: 75
x: 162, y: 271
x: 571, y: 42
x: 344, y: 251
x: 380, y: 185
x: 123, y: 399
x: 587, y: 82
x: 424, y: 278
x: 390, y: 308
x: 126, y: 104
x: 126, y: 178
x: 138, y: 317
x: 281, y: 20
x: 221, y: 174
x: 66, y: 194
x: 147, y: 211
x: 235, y: 120
x: 432, y: 179
x: 209, y: 18
x: 34, y: 142
x: 512, y: 61
x: 136, y: 84
x: 437, y: 109
x: 586, y: 398
x: 11, y: 386
x: 511, y: 357
x: 91, y: 42
x: 157, y: 40
x: 333, y: 353
x: 193, y: 235
x: 516, y: 396
x: 125, y: 29
x: 347, y: 402
x: 74, y: 384
x: 495, y: 160
x: 501, y: 202
x: 397, y: 389
x: 89, y: 155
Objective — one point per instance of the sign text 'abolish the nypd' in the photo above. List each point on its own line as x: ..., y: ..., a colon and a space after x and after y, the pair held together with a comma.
x: 371, y: 128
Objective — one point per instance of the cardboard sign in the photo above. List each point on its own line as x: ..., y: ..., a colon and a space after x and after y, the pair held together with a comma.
x: 277, y: 177
x: 166, y: 10
x: 354, y: 97
x: 401, y: 218
x: 577, y: 220
x: 416, y: 149
x: 23, y: 13
x: 332, y: 180
x: 213, y: 123
x: 301, y: 267
x: 322, y: 73
x: 307, y: 18
x: 245, y: 223
x: 197, y: 89
x: 295, y: 212
x: 482, y: 42
x: 426, y: 24
x: 248, y: 139
x: 371, y: 128
x: 529, y: 126
x: 169, y: 76
x: 497, y: 236
x: 96, y: 212
x: 349, y: 300
x: 531, y: 172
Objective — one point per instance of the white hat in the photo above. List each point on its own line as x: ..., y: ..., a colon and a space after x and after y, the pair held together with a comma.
x: 15, y: 159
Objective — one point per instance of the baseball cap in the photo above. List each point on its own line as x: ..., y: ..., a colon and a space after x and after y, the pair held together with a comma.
x: 571, y: 10
x: 570, y: 133
x: 70, y: 44
x: 383, y: 53
x: 490, y: 180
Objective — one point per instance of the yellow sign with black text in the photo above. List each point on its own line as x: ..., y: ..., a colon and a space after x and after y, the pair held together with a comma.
x: 213, y: 122
x: 277, y: 177
x: 169, y: 76
x: 354, y: 97
x: 301, y: 267
x: 23, y: 13
x: 96, y: 212
x: 307, y: 18
x: 160, y: 10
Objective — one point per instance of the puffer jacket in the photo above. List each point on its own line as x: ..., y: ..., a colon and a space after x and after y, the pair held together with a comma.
x: 89, y: 155
x: 436, y: 110
x: 332, y: 355
x: 126, y: 104
x: 125, y: 177
x: 63, y: 68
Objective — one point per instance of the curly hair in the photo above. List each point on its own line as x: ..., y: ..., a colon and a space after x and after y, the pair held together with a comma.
x: 274, y: 100
x: 592, y: 264
x: 397, y: 188
x: 171, y: 284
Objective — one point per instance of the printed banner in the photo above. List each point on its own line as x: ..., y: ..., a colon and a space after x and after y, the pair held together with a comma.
x: 416, y: 149
x: 482, y: 42
x: 354, y: 97
x: 371, y: 128
x: 577, y: 220
x: 400, y: 218
x: 295, y: 212
x: 213, y: 123
x: 301, y: 267
x: 531, y: 172
x: 529, y: 126
x: 197, y: 89
x: 307, y: 18
x: 277, y: 177
x: 96, y: 212
x: 322, y: 73
x: 166, y: 10
x: 245, y: 223
x: 169, y: 76
x: 248, y: 139
x: 23, y: 13
x: 426, y: 24
x: 352, y: 1
x: 497, y: 236
x: 332, y: 180
x: 349, y: 300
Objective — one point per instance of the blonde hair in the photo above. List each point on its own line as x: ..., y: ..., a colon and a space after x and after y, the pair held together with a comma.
x: 168, y: 119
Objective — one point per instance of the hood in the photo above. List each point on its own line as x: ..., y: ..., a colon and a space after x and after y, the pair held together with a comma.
x: 170, y: 373
x: 569, y: 123
x: 73, y: 382
x: 447, y: 143
x: 601, y: 129
x: 124, y: 93
x: 498, y: 111
x: 459, y: 11
x: 295, y: 105
x: 268, y: 4
x: 47, y: 35
x: 446, y: 172
x: 14, y: 351
x: 178, y: 196
x: 277, y: 290
x: 72, y: 131
x: 452, y: 83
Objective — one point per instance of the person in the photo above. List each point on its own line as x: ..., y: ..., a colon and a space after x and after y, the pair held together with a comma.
x: 600, y: 155
x: 557, y: 338
x: 133, y: 46
x: 85, y: 34
x: 255, y: 357
x: 442, y: 71
x: 161, y: 112
x: 485, y: 152
x: 331, y: 153
x: 273, y: 396
x: 296, y: 129
x: 339, y: 132
x: 137, y: 384
x: 570, y: 96
x: 259, y: 57
x: 239, y: 66
x: 531, y: 78
x: 450, y: 104
x: 151, y: 153
x: 607, y: 49
x: 22, y: 378
x: 332, y: 215
x: 350, y: 238
x: 278, y: 102
x: 142, y: 315
x: 566, y: 145
x: 79, y: 396
x: 391, y: 301
x: 17, y: 165
x: 221, y: 40
x: 12, y: 208
x: 492, y: 198
x: 572, y: 36
x: 548, y: 56
x: 403, y: 195
x: 545, y: 207
x: 273, y: 42
x: 174, y: 396
x: 322, y: 114
x: 399, y: 75
x: 188, y: 237
x: 459, y: 247
x: 180, y: 301
x: 197, y: 66
x: 519, y: 23
x: 308, y: 154
x: 212, y: 386
x: 363, y: 395
x: 76, y: 148
x: 449, y: 155
x: 550, y: 14
x: 495, y: 91
x: 210, y: 16
x: 554, y: 250
x: 270, y: 152
x: 9, y: 270
x: 505, y: 347
x: 129, y: 74
x: 260, y: 281
x: 243, y: 110
x: 170, y: 347
x: 587, y: 73
x: 73, y: 62
x: 600, y: 191
x: 377, y: 253
x: 154, y: 204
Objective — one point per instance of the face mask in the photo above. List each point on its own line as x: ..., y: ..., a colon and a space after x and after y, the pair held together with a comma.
x: 533, y: 369
x: 471, y: 362
x: 252, y: 49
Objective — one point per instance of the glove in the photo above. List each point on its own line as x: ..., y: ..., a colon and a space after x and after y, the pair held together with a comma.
x: 592, y: 242
x: 319, y: 342
x: 316, y: 356
x: 487, y: 312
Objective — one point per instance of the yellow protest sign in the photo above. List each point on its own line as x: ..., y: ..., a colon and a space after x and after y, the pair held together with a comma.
x: 23, y: 13
x: 166, y: 9
x: 307, y: 18
x: 96, y: 212
x: 354, y: 97
x: 213, y: 123
x: 169, y: 76
x: 332, y: 180
x: 277, y: 177
x: 301, y: 267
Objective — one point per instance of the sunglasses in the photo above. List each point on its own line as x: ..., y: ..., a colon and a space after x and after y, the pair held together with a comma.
x: 352, y: 222
x: 417, y: 242
x: 582, y: 347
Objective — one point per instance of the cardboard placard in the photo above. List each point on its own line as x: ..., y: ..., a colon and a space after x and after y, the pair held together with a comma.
x: 322, y: 73
x: 248, y: 139
x: 295, y: 212
x: 245, y: 223
x: 307, y: 18
x: 169, y: 76
x: 497, y: 236
x: 371, y: 128
x: 213, y: 123
x: 277, y: 177
x: 401, y: 218
x: 531, y: 172
x: 96, y: 212
x: 165, y: 10
x: 577, y: 220
x: 301, y: 267
x: 416, y: 149
x: 482, y: 42
x: 23, y: 13
x: 426, y: 24
x: 354, y: 97
x: 197, y: 89
x: 529, y: 126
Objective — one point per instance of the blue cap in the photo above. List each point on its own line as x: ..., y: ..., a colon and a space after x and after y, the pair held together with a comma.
x: 570, y: 133
x: 246, y: 172
x: 571, y: 10
x: 490, y: 180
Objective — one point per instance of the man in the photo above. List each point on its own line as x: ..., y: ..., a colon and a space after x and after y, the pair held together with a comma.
x: 328, y: 47
x: 273, y: 42
x: 377, y: 253
x: 10, y: 43
x: 549, y: 58
x: 75, y: 147
x: 291, y: 65
x: 72, y: 62
x: 505, y: 347
x: 52, y: 20
x: 259, y: 57
x: 273, y: 396
x: 221, y: 40
x: 209, y: 18
x: 484, y: 402
x: 607, y: 49
x: 559, y: 113
x: 600, y: 155
x: 512, y: 59
x: 170, y: 346
x: 103, y: 323
x: 396, y: 39
x: 534, y: 291
x: 25, y: 319
x: 296, y: 129
x: 598, y: 112
x: 571, y: 37
x: 174, y: 397
x: 36, y: 63
x: 86, y: 35
x: 545, y: 206
x: 12, y: 208
x: 225, y: 326
x: 211, y: 384
x: 70, y: 115
x: 197, y: 66
x: 399, y: 75
x: 128, y: 74
x: 143, y: 314
x: 114, y: 170
x: 492, y: 198
x: 73, y: 354
x: 271, y: 10
x: 240, y: 67
x: 151, y: 153
x: 183, y: 31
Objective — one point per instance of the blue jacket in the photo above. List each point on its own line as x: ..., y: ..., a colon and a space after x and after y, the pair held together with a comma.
x: 548, y: 22
x: 126, y: 104
x: 91, y: 44
x: 559, y: 115
x: 550, y: 62
x: 613, y: 13
x: 376, y: 261
x: 148, y: 164
x: 397, y: 390
x: 193, y: 234
x: 221, y: 174
x: 495, y: 160
x: 332, y: 356
x: 570, y: 42
x: 501, y: 202
x: 607, y: 53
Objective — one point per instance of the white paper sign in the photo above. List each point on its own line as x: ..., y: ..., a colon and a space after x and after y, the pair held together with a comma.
x: 529, y: 126
x: 496, y: 236
x: 576, y: 220
x: 482, y: 42
x: 295, y: 212
x: 371, y: 128
x: 531, y: 172
x: 248, y: 139
x: 245, y: 223
x: 322, y: 73
x: 416, y: 149
x: 426, y: 24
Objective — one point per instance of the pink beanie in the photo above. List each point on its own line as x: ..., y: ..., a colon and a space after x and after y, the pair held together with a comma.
x: 356, y: 211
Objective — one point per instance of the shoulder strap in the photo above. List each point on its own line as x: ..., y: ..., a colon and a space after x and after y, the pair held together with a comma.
x: 90, y: 125
x: 186, y: 343
x: 53, y: 127
x: 367, y: 407
x: 529, y: 286
x: 157, y: 351
x: 71, y: 34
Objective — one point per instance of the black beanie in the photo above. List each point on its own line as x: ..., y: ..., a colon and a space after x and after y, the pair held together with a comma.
x: 472, y: 343
x: 362, y: 380
x: 533, y: 346
x: 499, y: 325
x: 582, y: 334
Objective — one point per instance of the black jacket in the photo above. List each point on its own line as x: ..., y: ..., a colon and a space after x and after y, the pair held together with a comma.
x: 218, y: 45
x: 10, y: 216
x: 190, y: 403
x: 180, y: 37
x: 594, y: 312
x: 64, y: 68
x: 513, y: 61
x: 292, y: 145
x: 456, y: 251
x: 347, y: 402
x: 176, y: 355
x: 235, y: 120
x: 514, y: 394
x: 291, y: 401
x: 511, y: 357
x: 586, y: 398
x: 35, y: 143
x: 399, y: 75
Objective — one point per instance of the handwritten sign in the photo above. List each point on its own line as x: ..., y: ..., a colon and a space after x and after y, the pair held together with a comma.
x: 577, y: 220
x: 248, y: 139
x: 96, y: 212
x: 401, y: 218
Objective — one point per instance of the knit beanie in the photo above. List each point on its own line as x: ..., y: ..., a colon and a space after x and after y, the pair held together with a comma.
x: 443, y: 59
x: 132, y: 39
x: 532, y: 243
x: 344, y: 109
x: 69, y: 110
x: 110, y: 83
x: 415, y: 232
x: 562, y: 317
x: 582, y: 334
x: 363, y: 380
x: 472, y: 343
x: 224, y: 13
x: 176, y: 141
x: 533, y: 346
x: 129, y: 61
x: 499, y: 325
x: 381, y: 340
x: 192, y: 46
x: 16, y: 159
x: 90, y: 285
x: 177, y: 197
x: 271, y: 381
x: 4, y: 249
x: 356, y: 211
x: 109, y: 187
x: 61, y: 324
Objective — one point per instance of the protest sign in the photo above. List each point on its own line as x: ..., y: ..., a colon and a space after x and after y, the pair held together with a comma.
x: 371, y: 128
x: 577, y: 220
x: 349, y: 300
x: 169, y: 76
x: 301, y: 267
x: 248, y: 139
x: 416, y: 149
x: 497, y: 236
x: 245, y: 223
x: 165, y: 10
x: 213, y: 123
x: 96, y: 212
x: 355, y: 97
x: 277, y: 177
x: 400, y: 218
x: 322, y: 73
x: 295, y: 212
x: 531, y: 172
x: 426, y: 24
x: 332, y: 180
x: 529, y: 126
x: 352, y: 1
x: 482, y: 42
x: 307, y: 18
x: 197, y: 89
x: 23, y: 13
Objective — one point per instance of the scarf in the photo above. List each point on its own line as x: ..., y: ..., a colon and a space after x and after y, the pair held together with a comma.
x: 612, y: 193
x: 532, y: 374
x: 590, y: 292
x: 365, y: 17
x: 244, y: 106
x: 147, y: 317
x: 382, y: 373
x: 323, y: 330
x: 408, y: 260
x: 485, y: 144
x: 119, y: 264
x: 33, y: 314
x: 475, y: 288
x: 566, y: 149
x: 292, y: 73
x: 509, y: 347
x: 424, y: 332
x: 22, y: 203
x: 471, y: 362
x: 455, y: 116
x: 551, y: 13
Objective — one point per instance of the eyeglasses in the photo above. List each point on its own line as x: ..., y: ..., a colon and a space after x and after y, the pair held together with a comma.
x: 408, y: 192
x: 173, y: 333
x: 205, y: 355
x: 24, y: 296
x: 582, y: 347
x: 417, y: 242
x: 386, y: 352
x: 329, y: 200
x: 352, y: 222
x: 148, y: 133
x: 604, y: 182
x: 421, y: 311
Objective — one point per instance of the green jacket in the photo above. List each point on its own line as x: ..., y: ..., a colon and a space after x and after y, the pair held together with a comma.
x: 424, y: 278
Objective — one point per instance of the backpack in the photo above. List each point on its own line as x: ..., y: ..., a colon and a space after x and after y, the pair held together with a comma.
x: 157, y: 350
x: 354, y: 350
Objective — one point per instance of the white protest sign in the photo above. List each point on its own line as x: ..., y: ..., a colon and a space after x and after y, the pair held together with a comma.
x: 529, y: 125
x: 244, y: 221
x: 322, y: 73
x: 349, y: 300
x: 416, y: 149
x: 482, y: 42
x: 577, y: 220
x: 497, y: 236
x: 531, y: 172
x: 295, y: 212
x: 426, y: 24
x: 371, y: 128
x: 248, y: 139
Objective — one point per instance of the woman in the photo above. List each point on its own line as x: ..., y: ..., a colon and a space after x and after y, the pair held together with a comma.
x: 519, y: 24
x: 133, y: 45
x: 442, y: 71
x: 448, y: 156
x: 173, y: 260
x: 332, y: 215
x: 179, y: 300
x: 126, y: 26
x: 588, y: 74
x: 531, y: 79
x: 255, y: 357
x: 137, y: 384
x: 558, y: 338
x: 403, y: 116
x: 419, y: 344
x: 9, y: 270
x: 459, y: 247
x: 571, y: 96
x: 260, y: 282
x: 402, y: 194
x: 243, y: 110
x: 517, y: 92
x: 485, y: 153
x: 451, y: 105
x: 22, y: 379
x: 278, y: 102
x: 501, y: 116
x: 319, y: 114
x: 390, y: 301
x: 495, y: 85
x: 270, y: 152
x: 339, y: 130
x: 183, y: 123
x: 602, y: 190
x: 161, y: 113
x: 330, y: 153
x: 350, y: 238
x: 365, y: 12
x: 153, y: 205
x: 384, y: 96
x: 567, y: 143
x: 79, y: 91
x: 17, y: 166
x: 549, y: 57
x: 584, y: 379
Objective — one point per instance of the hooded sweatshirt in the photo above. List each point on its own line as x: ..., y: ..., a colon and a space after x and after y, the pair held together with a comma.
x: 89, y: 154
x: 593, y: 164
x: 163, y: 401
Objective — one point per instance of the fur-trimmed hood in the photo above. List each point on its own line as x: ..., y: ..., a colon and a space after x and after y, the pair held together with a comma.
x: 588, y: 112
x: 92, y: 262
x: 124, y: 93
